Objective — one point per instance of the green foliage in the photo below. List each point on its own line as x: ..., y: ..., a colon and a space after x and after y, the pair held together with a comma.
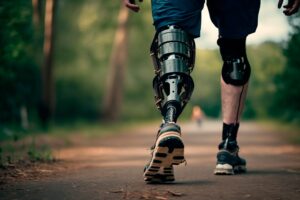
x: 1, y: 158
x: 77, y: 96
x: 267, y: 62
x: 84, y: 39
x: 19, y: 74
x: 138, y: 97
x: 83, y: 42
x: 85, y: 33
x: 42, y: 154
x: 206, y: 76
x: 286, y: 104
x: 11, y: 153
x: 7, y: 155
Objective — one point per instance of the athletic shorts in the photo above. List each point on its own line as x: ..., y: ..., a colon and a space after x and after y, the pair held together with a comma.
x: 233, y: 18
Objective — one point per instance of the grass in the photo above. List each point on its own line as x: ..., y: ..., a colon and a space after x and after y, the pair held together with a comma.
x: 94, y: 128
x: 42, y: 154
x: 13, y: 153
x: 37, y: 145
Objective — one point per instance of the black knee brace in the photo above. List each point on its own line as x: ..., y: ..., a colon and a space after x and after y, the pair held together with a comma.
x: 236, y: 68
x: 173, y: 54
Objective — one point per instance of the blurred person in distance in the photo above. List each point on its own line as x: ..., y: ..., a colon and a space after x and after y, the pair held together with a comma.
x: 197, y: 115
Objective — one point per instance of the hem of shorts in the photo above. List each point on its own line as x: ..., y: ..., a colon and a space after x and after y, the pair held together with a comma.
x: 192, y: 33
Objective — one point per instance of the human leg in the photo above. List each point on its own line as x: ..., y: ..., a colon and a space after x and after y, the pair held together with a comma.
x: 234, y: 83
x: 235, y: 20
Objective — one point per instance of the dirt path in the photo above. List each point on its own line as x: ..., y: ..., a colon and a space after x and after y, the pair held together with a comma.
x: 111, y: 168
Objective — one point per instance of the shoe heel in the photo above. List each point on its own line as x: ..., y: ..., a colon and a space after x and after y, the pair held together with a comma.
x: 224, y: 169
x: 178, y: 156
x: 173, y: 149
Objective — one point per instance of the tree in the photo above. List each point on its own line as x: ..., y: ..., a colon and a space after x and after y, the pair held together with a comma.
x: 115, y: 78
x: 47, y: 106
x: 18, y: 72
x: 37, y: 12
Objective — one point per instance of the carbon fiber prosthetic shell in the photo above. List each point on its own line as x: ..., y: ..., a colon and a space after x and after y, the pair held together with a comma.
x: 173, y: 55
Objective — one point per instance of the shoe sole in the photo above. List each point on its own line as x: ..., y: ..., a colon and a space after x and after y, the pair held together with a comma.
x: 227, y: 169
x: 169, y: 151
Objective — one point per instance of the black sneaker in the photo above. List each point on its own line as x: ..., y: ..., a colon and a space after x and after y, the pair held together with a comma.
x: 167, y: 151
x: 228, y: 160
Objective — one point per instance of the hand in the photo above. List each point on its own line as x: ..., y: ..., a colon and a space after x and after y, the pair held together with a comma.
x: 131, y: 5
x: 291, y: 7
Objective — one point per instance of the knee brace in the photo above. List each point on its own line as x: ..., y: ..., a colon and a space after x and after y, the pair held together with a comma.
x: 173, y: 55
x: 236, y: 68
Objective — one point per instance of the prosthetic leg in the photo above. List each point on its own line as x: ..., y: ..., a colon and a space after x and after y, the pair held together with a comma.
x: 234, y: 83
x: 173, y: 54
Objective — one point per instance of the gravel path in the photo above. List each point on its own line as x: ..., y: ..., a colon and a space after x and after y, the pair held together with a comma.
x: 111, y: 168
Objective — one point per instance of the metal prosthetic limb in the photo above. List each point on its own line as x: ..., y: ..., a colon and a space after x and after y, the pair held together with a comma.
x: 173, y: 54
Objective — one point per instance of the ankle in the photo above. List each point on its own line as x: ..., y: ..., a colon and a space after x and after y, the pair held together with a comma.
x: 228, y: 145
x: 230, y: 131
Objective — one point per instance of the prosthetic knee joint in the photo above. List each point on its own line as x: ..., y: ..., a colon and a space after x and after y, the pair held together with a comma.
x: 173, y: 54
x: 236, y: 68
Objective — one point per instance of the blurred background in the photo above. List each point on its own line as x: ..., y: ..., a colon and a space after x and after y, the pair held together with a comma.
x: 64, y: 61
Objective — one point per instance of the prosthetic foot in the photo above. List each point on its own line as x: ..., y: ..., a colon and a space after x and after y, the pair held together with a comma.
x: 173, y: 54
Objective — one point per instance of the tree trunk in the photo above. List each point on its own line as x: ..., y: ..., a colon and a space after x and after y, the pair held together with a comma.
x: 37, y: 12
x: 115, y: 80
x: 48, y: 91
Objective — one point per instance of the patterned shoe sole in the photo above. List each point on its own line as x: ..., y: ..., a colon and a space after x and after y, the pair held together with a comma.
x: 169, y: 151
x: 227, y: 169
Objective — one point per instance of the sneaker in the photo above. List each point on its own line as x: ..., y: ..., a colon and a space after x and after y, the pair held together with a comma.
x: 228, y: 160
x: 167, y: 151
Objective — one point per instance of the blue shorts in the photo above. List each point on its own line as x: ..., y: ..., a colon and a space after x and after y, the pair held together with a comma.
x: 233, y: 18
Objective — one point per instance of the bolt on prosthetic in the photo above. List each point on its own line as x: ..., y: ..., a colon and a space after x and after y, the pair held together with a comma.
x: 173, y: 55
